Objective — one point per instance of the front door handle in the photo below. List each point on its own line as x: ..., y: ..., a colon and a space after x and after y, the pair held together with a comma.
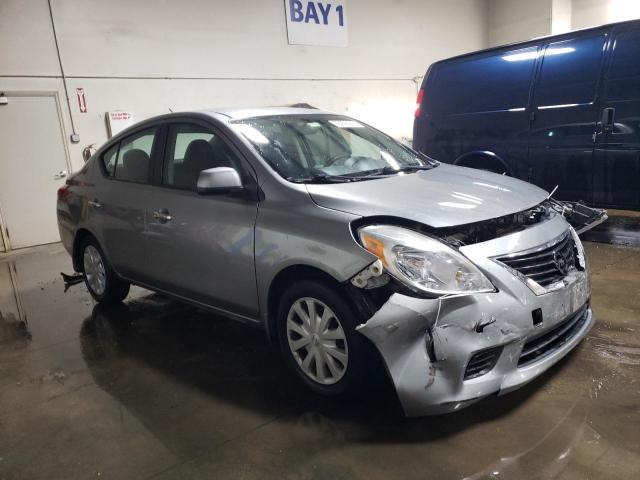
x: 608, y: 117
x: 162, y: 215
x: 60, y: 174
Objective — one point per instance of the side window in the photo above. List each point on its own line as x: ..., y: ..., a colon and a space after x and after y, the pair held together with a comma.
x: 570, y: 72
x: 623, y: 77
x: 134, y: 157
x: 492, y: 82
x: 109, y: 160
x: 190, y: 149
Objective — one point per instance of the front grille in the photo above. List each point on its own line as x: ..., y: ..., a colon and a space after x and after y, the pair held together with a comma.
x: 547, y: 265
x: 482, y: 362
x: 544, y: 345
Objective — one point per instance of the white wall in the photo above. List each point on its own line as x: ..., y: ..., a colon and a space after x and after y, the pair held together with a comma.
x: 151, y: 55
x: 589, y: 13
x: 515, y: 20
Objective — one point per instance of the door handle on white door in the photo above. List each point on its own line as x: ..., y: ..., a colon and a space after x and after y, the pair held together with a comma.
x: 60, y: 174
x: 94, y: 204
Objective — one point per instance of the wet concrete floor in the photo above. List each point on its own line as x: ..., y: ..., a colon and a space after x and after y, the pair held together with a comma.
x: 621, y: 228
x: 157, y: 389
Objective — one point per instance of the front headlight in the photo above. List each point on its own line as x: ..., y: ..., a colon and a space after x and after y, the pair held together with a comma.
x: 423, y: 263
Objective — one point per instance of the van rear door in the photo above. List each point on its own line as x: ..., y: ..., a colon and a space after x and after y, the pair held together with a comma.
x: 564, y: 114
x: 617, y: 150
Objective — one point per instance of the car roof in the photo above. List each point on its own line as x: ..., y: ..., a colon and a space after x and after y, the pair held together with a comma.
x: 250, y: 112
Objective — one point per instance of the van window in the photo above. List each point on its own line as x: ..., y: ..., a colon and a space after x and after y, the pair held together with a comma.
x: 623, y: 78
x: 570, y: 72
x: 493, y: 82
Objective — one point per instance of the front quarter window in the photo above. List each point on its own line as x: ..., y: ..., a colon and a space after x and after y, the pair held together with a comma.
x: 309, y: 148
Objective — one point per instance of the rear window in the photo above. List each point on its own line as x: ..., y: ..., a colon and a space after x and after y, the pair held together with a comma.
x: 130, y: 159
x: 491, y: 82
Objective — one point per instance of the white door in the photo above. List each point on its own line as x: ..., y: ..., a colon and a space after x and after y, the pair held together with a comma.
x: 33, y: 166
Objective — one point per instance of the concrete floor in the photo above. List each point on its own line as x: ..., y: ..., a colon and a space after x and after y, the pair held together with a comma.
x: 157, y: 389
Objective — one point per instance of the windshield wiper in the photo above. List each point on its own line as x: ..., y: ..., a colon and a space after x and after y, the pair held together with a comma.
x: 322, y: 178
x: 389, y: 170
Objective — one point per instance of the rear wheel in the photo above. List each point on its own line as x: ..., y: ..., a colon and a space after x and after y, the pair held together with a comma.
x: 101, y: 281
x: 316, y: 329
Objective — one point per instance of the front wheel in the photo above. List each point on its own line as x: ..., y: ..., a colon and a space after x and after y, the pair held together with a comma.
x: 101, y: 281
x: 316, y: 329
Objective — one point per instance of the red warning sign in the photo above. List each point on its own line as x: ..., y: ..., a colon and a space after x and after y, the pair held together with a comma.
x: 82, y: 102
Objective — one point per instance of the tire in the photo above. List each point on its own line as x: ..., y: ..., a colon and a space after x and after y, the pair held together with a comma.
x: 101, y: 281
x: 341, y: 350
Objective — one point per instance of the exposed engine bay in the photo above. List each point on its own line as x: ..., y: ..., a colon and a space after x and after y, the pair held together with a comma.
x: 580, y: 217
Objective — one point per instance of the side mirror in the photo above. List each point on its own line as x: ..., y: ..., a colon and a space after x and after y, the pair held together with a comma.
x: 219, y: 180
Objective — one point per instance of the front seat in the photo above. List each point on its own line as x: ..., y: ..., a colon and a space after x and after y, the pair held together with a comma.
x: 198, y: 156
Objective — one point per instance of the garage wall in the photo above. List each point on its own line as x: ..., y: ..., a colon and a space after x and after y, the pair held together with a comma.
x: 515, y: 20
x: 511, y: 21
x: 588, y: 13
x: 150, y: 56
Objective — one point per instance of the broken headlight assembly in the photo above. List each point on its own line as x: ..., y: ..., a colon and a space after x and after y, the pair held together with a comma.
x: 422, y: 263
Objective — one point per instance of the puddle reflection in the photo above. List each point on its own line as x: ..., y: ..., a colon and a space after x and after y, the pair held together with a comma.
x: 13, y: 320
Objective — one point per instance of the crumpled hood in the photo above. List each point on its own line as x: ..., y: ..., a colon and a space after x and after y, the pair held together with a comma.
x: 442, y: 197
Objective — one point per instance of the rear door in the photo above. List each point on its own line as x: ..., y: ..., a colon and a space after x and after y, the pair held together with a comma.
x: 202, y: 247
x: 617, y: 153
x: 564, y: 114
x: 117, y: 209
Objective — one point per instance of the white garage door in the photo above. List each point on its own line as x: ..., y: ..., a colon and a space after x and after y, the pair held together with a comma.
x: 32, y: 167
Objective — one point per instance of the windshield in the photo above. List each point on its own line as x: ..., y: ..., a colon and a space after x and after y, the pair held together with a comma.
x: 319, y: 148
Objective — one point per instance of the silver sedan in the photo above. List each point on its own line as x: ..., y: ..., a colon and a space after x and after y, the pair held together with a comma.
x: 334, y: 237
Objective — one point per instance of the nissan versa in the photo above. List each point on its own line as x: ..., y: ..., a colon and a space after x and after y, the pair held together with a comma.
x: 333, y: 236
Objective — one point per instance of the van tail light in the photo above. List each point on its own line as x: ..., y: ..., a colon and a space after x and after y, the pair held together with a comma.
x: 64, y: 193
x: 419, y: 102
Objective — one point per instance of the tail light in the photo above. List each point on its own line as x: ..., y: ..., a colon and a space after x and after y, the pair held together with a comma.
x: 64, y: 193
x: 419, y: 102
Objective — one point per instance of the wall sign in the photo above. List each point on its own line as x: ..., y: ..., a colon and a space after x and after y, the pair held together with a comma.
x: 82, y: 101
x: 118, y: 121
x: 317, y: 22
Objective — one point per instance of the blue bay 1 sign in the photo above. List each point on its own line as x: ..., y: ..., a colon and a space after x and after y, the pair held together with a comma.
x: 313, y: 22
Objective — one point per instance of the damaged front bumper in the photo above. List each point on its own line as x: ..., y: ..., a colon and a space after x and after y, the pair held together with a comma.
x: 427, y: 344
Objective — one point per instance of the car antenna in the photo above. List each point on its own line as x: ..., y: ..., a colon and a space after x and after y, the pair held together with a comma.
x: 552, y: 192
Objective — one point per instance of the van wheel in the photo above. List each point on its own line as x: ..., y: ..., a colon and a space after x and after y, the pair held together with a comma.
x: 316, y: 329
x: 101, y: 281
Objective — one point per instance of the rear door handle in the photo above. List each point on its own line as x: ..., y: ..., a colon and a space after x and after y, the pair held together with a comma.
x: 162, y: 215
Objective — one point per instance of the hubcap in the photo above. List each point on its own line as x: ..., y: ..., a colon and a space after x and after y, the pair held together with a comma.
x: 317, y: 340
x: 94, y: 270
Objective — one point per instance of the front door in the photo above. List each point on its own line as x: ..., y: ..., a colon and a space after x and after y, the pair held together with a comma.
x: 201, y: 246
x: 33, y: 165
x: 617, y: 153
x: 564, y: 117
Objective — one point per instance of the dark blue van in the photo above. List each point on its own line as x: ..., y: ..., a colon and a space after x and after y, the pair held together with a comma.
x: 558, y: 111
